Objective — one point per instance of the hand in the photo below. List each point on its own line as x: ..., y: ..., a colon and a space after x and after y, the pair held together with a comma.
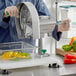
x: 12, y: 10
x: 71, y: 0
x: 64, y: 26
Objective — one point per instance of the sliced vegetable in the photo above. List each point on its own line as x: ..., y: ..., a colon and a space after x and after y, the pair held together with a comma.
x: 15, y: 55
x: 23, y: 53
x: 67, y: 47
x: 7, y: 55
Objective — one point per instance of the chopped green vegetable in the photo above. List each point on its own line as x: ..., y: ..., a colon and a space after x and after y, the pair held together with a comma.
x: 18, y: 59
x: 24, y: 54
x: 67, y: 47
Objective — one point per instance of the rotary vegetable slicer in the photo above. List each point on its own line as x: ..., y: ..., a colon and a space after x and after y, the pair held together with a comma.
x: 29, y: 24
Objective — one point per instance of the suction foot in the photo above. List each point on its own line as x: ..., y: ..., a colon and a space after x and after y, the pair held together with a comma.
x: 5, y: 72
x: 55, y: 65
x: 49, y: 66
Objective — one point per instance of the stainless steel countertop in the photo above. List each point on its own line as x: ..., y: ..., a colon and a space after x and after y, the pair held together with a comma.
x: 64, y: 70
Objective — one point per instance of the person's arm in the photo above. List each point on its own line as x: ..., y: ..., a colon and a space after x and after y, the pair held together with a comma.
x: 41, y: 8
x: 59, y: 28
x: 4, y: 22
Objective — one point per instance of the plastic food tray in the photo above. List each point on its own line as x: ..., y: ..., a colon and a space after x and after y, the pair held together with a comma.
x: 16, y: 46
x: 24, y: 47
